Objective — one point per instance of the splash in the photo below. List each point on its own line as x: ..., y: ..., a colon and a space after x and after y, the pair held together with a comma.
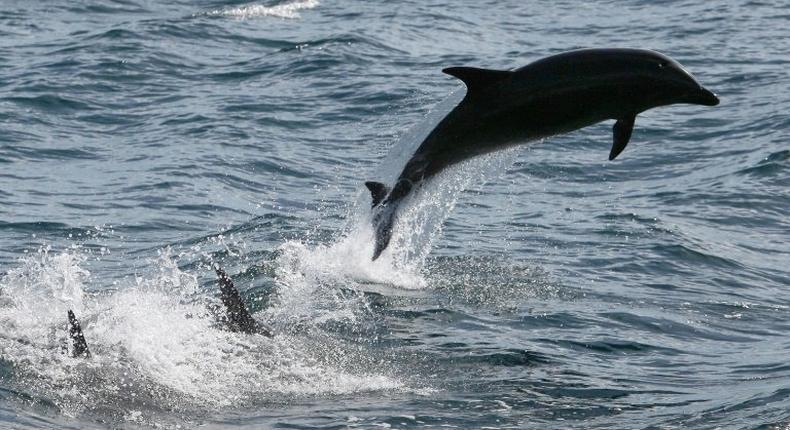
x: 155, y: 343
x: 421, y: 215
x: 289, y: 10
x: 157, y: 349
x: 38, y: 293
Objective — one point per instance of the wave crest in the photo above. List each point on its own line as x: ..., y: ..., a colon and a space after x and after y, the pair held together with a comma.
x: 289, y: 10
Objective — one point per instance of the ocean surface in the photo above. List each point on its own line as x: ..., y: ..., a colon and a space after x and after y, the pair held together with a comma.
x: 144, y: 141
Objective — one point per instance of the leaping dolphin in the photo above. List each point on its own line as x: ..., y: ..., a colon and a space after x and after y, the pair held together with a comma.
x: 555, y: 95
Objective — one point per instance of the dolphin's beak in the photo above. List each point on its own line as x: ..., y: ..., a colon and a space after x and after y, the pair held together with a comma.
x: 704, y: 97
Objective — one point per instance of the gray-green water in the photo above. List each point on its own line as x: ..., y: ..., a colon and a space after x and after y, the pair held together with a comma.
x: 141, y: 141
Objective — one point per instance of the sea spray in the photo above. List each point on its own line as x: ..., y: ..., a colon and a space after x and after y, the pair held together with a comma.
x: 157, y: 347
x: 419, y: 220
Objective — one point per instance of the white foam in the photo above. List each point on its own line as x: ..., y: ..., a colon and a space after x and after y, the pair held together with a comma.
x: 155, y: 343
x: 38, y: 293
x: 288, y: 10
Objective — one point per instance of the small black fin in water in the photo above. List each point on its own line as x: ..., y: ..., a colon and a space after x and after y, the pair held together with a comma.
x: 377, y: 191
x: 79, y: 348
x: 621, y: 133
x: 238, y: 317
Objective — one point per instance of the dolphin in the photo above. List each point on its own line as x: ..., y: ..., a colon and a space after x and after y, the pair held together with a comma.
x: 236, y: 318
x: 554, y: 95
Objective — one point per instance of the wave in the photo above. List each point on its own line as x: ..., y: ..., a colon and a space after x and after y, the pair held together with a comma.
x: 289, y: 10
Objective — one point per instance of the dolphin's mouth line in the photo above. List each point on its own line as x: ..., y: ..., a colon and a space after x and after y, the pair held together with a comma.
x: 704, y: 97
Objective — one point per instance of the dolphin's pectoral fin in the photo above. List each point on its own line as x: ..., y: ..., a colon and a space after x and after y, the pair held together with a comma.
x: 238, y: 317
x: 377, y: 191
x: 622, y: 134
x: 476, y: 79
x: 79, y: 348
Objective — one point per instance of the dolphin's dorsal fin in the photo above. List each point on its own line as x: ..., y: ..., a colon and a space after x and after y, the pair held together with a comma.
x: 621, y: 133
x: 236, y: 313
x: 476, y: 79
x: 79, y: 348
x: 377, y: 191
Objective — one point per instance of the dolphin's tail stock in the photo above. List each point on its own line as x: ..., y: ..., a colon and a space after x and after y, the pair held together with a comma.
x: 383, y: 217
x: 383, y: 221
x: 79, y: 348
x: 385, y: 205
x: 237, y: 316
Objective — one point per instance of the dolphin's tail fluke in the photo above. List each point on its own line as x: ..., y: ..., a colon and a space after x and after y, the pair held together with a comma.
x: 237, y: 316
x: 378, y: 192
x: 79, y: 348
x: 387, y: 203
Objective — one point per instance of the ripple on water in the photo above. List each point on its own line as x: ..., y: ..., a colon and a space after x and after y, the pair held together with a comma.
x: 539, y: 288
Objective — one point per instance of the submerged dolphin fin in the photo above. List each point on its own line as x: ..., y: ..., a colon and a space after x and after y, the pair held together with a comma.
x: 475, y: 79
x: 622, y: 134
x: 377, y: 191
x: 79, y: 348
x: 239, y: 318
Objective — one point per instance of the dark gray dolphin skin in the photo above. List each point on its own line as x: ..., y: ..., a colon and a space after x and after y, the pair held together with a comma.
x: 237, y: 316
x: 555, y: 95
x: 79, y: 348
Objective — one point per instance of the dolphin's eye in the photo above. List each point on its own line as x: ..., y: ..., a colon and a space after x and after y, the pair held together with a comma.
x: 662, y: 65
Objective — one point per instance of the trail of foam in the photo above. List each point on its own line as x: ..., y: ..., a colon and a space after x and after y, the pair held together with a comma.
x: 288, y: 10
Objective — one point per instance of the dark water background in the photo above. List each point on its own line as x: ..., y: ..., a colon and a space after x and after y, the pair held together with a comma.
x: 141, y: 141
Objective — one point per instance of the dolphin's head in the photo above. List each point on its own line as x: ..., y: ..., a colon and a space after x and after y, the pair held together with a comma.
x: 637, y: 79
x: 674, y: 84
x: 648, y: 78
